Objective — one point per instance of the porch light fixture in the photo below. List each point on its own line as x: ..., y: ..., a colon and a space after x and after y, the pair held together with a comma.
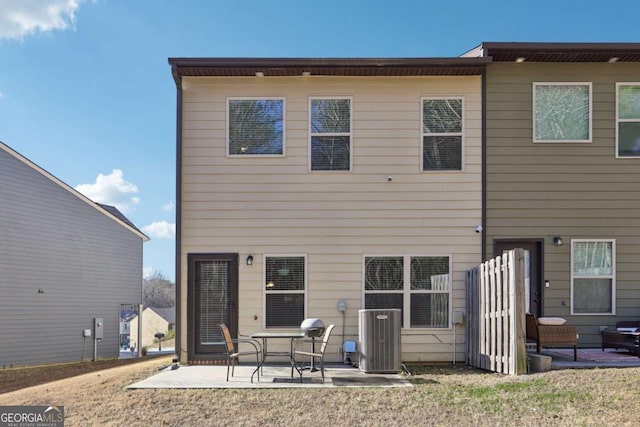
x: 557, y: 240
x: 250, y: 260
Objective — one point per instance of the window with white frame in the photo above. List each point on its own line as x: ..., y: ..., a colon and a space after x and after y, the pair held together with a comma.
x: 593, y: 285
x: 420, y: 286
x: 628, y: 119
x: 255, y: 126
x: 285, y: 284
x: 330, y: 134
x: 562, y: 112
x: 442, y: 134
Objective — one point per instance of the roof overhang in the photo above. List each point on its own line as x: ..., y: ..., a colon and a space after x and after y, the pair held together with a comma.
x: 557, y: 52
x: 289, y: 67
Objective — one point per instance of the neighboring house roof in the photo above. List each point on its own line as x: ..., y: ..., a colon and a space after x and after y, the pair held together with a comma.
x: 556, y: 52
x: 106, y: 210
x: 115, y: 212
x: 237, y: 67
x: 168, y: 314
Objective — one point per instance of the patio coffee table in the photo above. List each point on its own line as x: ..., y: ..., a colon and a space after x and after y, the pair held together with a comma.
x: 621, y: 339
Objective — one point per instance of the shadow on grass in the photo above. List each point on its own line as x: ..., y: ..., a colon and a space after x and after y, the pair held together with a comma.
x: 421, y: 381
x: 444, y: 369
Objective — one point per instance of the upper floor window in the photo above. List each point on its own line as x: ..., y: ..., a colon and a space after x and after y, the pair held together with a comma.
x: 255, y: 126
x: 420, y: 286
x: 442, y: 134
x: 562, y: 112
x: 593, y: 285
x: 330, y: 134
x: 285, y: 284
x: 628, y: 120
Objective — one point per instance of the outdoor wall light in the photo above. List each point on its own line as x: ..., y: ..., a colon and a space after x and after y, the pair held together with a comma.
x: 557, y: 240
x: 250, y: 260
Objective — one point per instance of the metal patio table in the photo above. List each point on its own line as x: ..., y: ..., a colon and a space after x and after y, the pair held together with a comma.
x: 266, y: 336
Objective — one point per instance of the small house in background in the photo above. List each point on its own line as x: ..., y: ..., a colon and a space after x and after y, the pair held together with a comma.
x: 154, y: 320
x: 67, y: 264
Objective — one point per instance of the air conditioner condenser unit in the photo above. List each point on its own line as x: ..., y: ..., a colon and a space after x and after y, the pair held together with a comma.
x: 379, y: 340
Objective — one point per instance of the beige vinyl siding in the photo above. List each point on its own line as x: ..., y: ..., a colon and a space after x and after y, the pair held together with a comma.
x: 575, y: 190
x: 277, y: 206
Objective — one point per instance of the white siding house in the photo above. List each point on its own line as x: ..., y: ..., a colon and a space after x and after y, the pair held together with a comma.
x: 64, y: 261
x: 304, y: 182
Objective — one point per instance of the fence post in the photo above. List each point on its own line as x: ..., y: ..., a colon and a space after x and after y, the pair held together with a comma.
x: 519, y: 315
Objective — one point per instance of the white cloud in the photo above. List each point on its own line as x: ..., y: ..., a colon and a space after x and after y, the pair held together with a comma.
x: 148, y: 272
x: 167, y: 208
x: 112, y: 190
x: 160, y: 230
x: 20, y: 18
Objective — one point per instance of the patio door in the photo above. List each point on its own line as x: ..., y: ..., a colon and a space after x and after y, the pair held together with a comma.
x: 213, y: 299
x: 534, y: 287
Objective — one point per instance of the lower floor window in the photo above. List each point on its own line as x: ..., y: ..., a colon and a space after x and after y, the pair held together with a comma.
x: 285, y: 284
x: 420, y: 286
x: 592, y: 276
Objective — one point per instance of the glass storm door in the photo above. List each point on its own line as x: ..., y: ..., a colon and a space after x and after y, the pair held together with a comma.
x: 214, y: 295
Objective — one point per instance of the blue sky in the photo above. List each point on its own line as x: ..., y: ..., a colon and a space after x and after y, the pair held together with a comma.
x: 87, y: 94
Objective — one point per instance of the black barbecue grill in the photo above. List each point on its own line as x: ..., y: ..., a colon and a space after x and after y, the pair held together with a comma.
x: 313, y: 328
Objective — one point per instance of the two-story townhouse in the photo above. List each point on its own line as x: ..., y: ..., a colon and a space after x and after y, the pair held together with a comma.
x: 563, y: 175
x: 64, y: 262
x: 305, y: 182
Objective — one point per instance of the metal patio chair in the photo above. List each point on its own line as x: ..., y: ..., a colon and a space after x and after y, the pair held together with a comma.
x: 312, y: 354
x: 233, y: 353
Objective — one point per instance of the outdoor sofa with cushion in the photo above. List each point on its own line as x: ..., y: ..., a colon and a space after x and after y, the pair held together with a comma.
x: 552, y: 333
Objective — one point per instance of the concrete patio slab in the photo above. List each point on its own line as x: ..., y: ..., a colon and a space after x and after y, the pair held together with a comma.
x: 589, y: 358
x: 272, y: 377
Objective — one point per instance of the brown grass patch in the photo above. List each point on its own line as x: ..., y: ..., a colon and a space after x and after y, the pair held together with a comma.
x: 442, y: 395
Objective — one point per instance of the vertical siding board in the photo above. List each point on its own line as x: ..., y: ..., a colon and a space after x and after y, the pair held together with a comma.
x: 507, y: 313
x: 492, y: 313
x: 500, y: 318
x: 485, y: 317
